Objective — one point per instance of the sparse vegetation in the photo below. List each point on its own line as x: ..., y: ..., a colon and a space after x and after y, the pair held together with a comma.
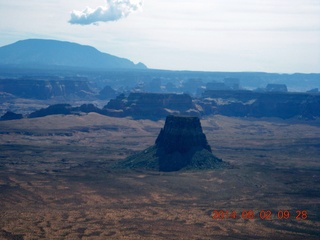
x: 63, y: 186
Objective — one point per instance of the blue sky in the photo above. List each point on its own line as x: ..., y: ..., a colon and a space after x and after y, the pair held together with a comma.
x: 213, y: 35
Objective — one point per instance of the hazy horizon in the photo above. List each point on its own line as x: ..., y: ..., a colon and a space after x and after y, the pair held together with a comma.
x: 264, y: 36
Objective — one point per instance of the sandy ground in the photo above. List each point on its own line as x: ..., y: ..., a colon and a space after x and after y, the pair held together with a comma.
x: 56, y: 181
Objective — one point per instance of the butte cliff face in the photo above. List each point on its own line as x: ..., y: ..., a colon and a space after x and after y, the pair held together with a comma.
x: 181, y: 134
x: 181, y: 144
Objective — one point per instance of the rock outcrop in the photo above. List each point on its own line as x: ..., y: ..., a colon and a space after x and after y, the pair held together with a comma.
x: 181, y: 144
x: 11, y: 116
x: 228, y: 103
x: 261, y: 104
x: 276, y: 88
x: 64, y: 109
x: 107, y: 93
x: 181, y: 134
x: 151, y: 105
x: 46, y: 88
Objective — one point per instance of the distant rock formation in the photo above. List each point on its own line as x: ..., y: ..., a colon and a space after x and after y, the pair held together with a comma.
x: 261, y: 104
x: 46, y: 88
x: 276, y: 88
x: 107, y: 93
x: 44, y: 53
x: 217, y: 86
x: 232, y: 83
x: 151, y: 105
x: 227, y: 84
x: 228, y: 103
x: 87, y: 108
x: 181, y: 144
x: 65, y: 109
x: 11, y: 116
x: 52, y: 110
x: 313, y: 90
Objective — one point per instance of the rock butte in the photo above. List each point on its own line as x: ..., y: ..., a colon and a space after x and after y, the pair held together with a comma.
x: 181, y: 144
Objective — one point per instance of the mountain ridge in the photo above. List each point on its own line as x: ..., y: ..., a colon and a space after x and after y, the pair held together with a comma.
x: 55, y: 53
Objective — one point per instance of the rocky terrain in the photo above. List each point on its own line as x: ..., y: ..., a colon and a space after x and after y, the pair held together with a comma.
x: 228, y: 103
x: 57, y: 180
x: 74, y: 165
x: 151, y: 105
x: 260, y: 104
x: 42, y: 88
x: 11, y: 116
x: 181, y: 144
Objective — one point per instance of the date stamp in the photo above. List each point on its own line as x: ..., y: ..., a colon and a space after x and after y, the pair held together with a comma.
x: 262, y: 214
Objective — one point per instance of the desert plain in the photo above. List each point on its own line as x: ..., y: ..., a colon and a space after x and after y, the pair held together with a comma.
x: 57, y: 181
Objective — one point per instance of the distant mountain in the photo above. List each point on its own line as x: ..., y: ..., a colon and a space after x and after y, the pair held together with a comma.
x: 52, y: 53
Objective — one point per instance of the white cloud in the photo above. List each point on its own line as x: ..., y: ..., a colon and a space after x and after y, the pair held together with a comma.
x: 112, y: 11
x: 228, y: 35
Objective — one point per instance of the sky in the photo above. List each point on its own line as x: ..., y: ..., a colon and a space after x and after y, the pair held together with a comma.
x: 207, y: 35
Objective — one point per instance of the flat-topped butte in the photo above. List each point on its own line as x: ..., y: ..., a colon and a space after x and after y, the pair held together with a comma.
x: 181, y: 144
